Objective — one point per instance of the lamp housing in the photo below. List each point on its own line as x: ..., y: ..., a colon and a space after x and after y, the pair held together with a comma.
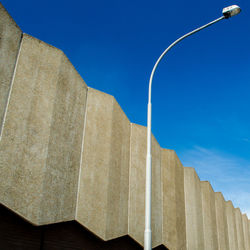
x: 231, y: 11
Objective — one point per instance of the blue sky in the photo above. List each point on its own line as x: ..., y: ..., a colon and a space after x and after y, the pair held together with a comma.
x: 201, y: 90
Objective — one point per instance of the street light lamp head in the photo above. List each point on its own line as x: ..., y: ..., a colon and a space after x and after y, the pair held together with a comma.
x: 231, y: 11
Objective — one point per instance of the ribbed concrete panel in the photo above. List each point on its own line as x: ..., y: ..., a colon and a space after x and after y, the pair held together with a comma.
x: 10, y: 37
x: 239, y: 229
x: 246, y: 231
x: 209, y: 216
x: 102, y: 204
x: 64, y: 148
x: 137, y: 186
x: 180, y: 206
x: 249, y: 229
x: 40, y: 147
x: 193, y: 210
x: 174, y: 226
x: 221, y: 221
x: 231, y: 223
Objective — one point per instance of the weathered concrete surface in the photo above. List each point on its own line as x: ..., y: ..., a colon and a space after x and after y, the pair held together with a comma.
x: 137, y: 186
x: 193, y: 210
x: 239, y: 229
x: 174, y: 221
x: 232, y: 234
x: 10, y: 37
x: 104, y: 178
x: 180, y: 206
x: 41, y: 144
x: 209, y: 216
x: 249, y: 229
x: 221, y: 222
x: 246, y: 231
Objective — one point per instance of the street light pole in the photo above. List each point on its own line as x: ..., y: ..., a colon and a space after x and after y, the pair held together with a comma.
x: 227, y: 12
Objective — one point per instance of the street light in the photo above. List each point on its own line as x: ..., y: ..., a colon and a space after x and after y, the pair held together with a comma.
x: 227, y: 12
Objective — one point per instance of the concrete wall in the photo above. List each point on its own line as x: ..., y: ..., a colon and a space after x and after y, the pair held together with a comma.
x: 174, y: 221
x: 246, y: 231
x: 249, y: 230
x: 239, y: 229
x: 209, y: 216
x: 68, y: 152
x: 102, y: 204
x: 231, y: 222
x: 10, y: 37
x: 40, y: 148
x: 221, y: 221
x: 193, y: 211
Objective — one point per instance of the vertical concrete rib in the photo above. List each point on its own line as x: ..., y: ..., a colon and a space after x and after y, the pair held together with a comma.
x: 246, y: 231
x: 180, y: 205
x: 239, y: 229
x: 249, y: 230
x: 231, y: 226
x: 118, y: 188
x: 221, y: 221
x: 103, y: 192
x: 23, y: 148
x: 64, y: 147
x: 174, y: 221
x: 209, y: 216
x: 169, y: 232
x: 193, y: 210
x: 10, y: 37
x: 40, y: 146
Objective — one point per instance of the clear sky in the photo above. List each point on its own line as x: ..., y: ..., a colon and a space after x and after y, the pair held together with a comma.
x: 201, y: 90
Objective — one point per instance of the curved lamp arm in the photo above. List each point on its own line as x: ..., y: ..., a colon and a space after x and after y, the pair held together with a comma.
x: 171, y: 46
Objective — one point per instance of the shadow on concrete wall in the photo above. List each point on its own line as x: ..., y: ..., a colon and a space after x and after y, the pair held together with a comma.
x: 16, y: 233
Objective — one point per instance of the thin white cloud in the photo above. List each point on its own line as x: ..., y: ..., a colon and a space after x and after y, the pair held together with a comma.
x: 245, y: 139
x: 227, y: 174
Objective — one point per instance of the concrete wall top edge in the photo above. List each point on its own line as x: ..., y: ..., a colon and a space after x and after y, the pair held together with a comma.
x: 114, y: 99
x: 179, y: 163
x: 205, y: 181
x: 145, y: 127
x: 12, y: 20
x: 218, y: 193
x: 25, y: 35
x: 120, y: 108
x: 245, y: 215
x: 137, y: 125
x: 237, y: 208
x: 209, y: 185
x: 168, y: 150
x: 230, y: 203
x: 191, y: 168
x: 100, y: 92
x: 194, y: 171
x: 64, y: 56
x: 221, y: 195
x: 178, y: 159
